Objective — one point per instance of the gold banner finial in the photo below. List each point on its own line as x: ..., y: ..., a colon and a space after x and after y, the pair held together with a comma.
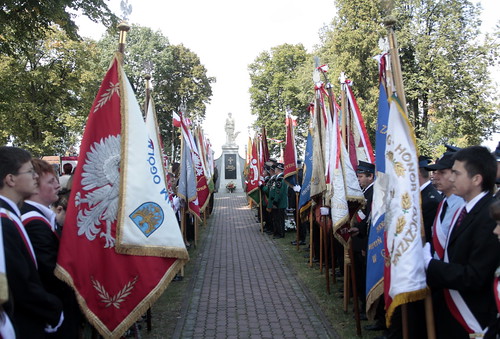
x: 123, y: 27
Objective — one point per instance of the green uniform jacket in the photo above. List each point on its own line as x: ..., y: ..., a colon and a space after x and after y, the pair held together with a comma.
x: 278, y: 194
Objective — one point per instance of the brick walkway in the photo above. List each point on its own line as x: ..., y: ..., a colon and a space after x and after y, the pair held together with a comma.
x: 242, y: 288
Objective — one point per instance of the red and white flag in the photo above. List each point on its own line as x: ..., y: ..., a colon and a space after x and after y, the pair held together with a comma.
x: 290, y: 155
x: 113, y: 289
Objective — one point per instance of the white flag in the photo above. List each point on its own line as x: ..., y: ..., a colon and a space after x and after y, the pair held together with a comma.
x: 146, y: 222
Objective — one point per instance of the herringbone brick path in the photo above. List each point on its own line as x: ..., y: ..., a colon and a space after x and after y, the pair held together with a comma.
x: 242, y: 287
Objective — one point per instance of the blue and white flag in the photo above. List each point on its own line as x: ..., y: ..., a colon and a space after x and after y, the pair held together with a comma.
x: 375, y: 254
x: 146, y: 222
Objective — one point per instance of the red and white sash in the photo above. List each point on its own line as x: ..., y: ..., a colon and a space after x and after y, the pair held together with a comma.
x: 456, y: 303
x: 438, y: 236
x: 4, y: 213
x: 34, y: 215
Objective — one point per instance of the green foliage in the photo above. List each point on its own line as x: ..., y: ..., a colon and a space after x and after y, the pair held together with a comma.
x: 25, y: 22
x: 46, y: 90
x: 445, y: 68
x: 274, y: 89
x: 177, y: 75
x: 445, y: 63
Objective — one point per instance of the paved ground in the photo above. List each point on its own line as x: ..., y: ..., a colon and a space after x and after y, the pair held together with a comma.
x: 242, y: 287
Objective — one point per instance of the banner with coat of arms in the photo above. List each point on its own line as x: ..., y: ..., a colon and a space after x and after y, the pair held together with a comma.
x: 112, y: 289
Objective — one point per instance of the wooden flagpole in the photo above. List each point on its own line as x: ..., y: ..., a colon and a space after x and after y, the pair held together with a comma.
x: 389, y: 23
x: 311, y: 243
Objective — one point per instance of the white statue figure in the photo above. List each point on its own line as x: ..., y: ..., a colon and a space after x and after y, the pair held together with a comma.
x: 229, y: 128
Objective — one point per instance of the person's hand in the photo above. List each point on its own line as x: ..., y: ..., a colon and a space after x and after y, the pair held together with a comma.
x: 50, y: 329
x: 296, y: 188
x: 426, y: 253
x: 324, y: 210
x: 353, y: 231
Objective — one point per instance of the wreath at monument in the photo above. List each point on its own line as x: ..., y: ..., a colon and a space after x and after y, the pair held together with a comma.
x: 230, y: 187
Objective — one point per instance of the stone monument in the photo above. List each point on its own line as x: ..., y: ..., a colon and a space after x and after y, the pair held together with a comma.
x: 230, y: 164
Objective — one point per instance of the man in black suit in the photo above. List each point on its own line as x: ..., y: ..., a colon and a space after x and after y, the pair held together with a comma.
x: 360, y: 229
x: 463, y: 278
x: 31, y: 308
x: 40, y: 223
x: 430, y: 197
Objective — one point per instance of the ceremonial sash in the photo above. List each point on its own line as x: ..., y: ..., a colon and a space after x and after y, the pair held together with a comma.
x: 4, y: 213
x: 456, y: 303
x: 34, y: 215
x: 438, y: 236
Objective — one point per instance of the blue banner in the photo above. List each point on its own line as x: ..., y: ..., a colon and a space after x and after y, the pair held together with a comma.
x: 305, y: 192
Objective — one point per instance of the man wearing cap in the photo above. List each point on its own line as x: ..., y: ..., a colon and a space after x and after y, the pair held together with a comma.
x: 278, y: 202
x: 359, y: 230
x: 462, y: 280
x: 448, y: 206
x: 430, y: 197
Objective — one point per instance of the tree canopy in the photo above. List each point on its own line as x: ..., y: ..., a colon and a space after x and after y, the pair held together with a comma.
x: 178, y: 77
x: 46, y: 90
x: 275, y: 89
x: 445, y: 62
x: 25, y: 22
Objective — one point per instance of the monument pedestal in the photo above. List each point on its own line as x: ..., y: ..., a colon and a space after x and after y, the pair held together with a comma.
x: 230, y: 167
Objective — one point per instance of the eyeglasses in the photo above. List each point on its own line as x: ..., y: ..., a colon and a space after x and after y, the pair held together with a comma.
x: 31, y: 171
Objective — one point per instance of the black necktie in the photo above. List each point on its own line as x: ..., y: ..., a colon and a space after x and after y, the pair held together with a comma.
x: 443, y: 211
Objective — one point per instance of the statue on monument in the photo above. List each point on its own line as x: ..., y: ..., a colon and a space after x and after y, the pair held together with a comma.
x: 229, y: 128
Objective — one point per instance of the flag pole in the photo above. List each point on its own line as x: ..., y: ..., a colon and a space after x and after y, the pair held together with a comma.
x: 311, y: 243
x: 389, y: 23
x: 147, y: 79
x: 123, y: 27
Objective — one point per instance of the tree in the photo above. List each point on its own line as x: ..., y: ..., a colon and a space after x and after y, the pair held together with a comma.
x: 445, y: 68
x: 274, y: 88
x: 25, y: 22
x: 178, y: 77
x: 46, y: 90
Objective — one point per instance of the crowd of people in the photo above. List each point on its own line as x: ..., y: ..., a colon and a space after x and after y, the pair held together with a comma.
x: 460, y: 209
x: 33, y: 202
x: 461, y: 220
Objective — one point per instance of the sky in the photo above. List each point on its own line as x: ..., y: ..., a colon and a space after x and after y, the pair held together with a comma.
x: 228, y: 35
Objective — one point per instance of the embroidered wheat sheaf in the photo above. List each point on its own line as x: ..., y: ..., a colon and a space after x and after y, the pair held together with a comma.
x: 113, y: 88
x: 117, y: 299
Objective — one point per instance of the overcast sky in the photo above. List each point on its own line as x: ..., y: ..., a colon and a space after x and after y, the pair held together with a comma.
x: 228, y: 35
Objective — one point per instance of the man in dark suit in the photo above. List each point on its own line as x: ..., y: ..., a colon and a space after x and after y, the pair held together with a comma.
x: 464, y: 277
x: 40, y: 223
x: 360, y: 229
x: 430, y: 197
x: 31, y: 308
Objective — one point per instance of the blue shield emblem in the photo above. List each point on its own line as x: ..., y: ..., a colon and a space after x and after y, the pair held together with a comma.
x: 148, y: 217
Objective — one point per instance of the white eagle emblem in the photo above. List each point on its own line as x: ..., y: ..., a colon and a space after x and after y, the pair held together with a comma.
x: 101, y: 176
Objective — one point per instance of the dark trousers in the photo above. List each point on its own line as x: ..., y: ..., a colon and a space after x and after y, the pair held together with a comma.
x: 360, y: 271
x: 278, y: 215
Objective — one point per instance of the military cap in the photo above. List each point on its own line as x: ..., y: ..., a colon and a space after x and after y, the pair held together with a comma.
x: 280, y: 166
x: 445, y: 162
x: 365, y: 167
x: 423, y: 161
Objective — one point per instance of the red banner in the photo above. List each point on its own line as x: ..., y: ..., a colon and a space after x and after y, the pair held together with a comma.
x: 113, y: 289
